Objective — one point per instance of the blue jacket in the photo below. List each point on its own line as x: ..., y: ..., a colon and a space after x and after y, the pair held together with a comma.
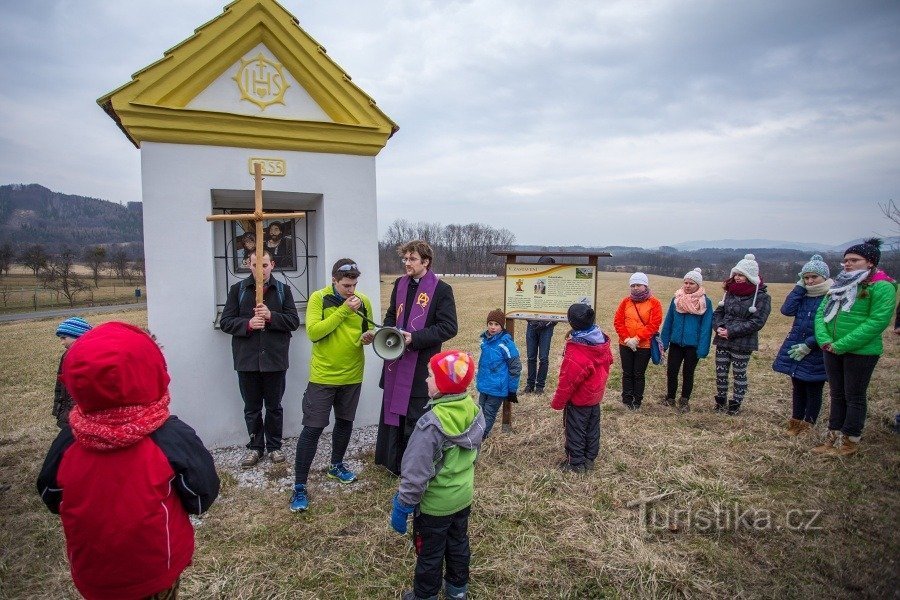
x: 688, y: 330
x: 803, y: 308
x: 499, y: 366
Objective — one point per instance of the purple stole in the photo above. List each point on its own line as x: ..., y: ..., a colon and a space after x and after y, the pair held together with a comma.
x: 399, y: 373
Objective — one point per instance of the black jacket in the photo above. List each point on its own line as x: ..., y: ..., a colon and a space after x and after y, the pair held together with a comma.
x: 262, y: 350
x: 742, y: 325
x: 440, y: 326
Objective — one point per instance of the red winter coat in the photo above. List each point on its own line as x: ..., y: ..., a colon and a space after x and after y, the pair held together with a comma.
x: 582, y: 375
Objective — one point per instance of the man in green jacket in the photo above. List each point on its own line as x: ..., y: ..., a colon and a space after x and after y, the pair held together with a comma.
x: 335, y: 320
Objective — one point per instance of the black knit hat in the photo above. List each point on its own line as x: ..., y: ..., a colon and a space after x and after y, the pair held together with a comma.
x: 581, y: 316
x: 869, y: 250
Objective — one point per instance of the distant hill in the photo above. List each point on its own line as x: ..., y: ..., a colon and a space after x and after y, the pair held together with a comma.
x: 891, y: 241
x: 32, y: 214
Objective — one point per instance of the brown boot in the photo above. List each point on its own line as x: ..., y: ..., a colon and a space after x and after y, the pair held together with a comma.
x: 827, y: 444
x: 684, y: 405
x: 847, y: 447
x: 802, y: 427
x: 793, y: 427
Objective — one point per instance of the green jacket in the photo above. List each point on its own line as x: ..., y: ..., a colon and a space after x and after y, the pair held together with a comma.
x: 859, y: 330
x: 438, y: 469
x: 334, y: 329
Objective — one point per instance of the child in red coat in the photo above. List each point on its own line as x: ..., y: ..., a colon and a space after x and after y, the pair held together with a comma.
x: 582, y: 381
x: 124, y: 474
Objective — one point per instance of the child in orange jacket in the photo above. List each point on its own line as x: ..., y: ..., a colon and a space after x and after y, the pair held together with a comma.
x: 637, y: 319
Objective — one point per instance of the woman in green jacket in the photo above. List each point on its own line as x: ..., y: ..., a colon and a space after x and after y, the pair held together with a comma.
x: 849, y: 324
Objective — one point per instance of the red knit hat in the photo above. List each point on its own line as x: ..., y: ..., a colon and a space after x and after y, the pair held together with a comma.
x: 115, y: 364
x: 453, y: 371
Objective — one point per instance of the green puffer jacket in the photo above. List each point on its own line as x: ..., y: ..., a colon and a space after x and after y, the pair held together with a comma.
x: 438, y: 470
x: 859, y: 330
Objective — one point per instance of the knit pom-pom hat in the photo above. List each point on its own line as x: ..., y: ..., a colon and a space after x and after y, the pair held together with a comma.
x: 497, y: 316
x: 453, y: 371
x: 816, y: 265
x: 695, y: 275
x: 869, y: 250
x: 748, y: 267
x: 73, y: 327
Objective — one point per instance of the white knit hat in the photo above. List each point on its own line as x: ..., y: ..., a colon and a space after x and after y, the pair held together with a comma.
x: 748, y: 267
x: 639, y: 278
x: 695, y: 275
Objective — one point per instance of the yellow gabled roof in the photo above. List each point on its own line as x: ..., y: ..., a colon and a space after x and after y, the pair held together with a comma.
x: 152, y: 106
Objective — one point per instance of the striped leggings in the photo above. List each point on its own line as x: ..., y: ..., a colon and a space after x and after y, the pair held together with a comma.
x: 737, y: 361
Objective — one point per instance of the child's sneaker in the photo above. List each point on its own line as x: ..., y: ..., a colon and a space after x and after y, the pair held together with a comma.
x: 341, y: 473
x: 299, y: 501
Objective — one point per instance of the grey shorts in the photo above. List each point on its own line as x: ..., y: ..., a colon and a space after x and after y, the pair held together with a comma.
x: 319, y: 399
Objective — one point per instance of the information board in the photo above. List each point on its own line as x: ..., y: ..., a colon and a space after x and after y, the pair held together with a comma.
x: 545, y: 292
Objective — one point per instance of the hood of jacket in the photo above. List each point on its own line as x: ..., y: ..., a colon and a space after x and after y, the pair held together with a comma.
x: 455, y: 416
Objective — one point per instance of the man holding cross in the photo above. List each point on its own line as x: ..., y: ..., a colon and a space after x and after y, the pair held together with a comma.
x: 261, y: 336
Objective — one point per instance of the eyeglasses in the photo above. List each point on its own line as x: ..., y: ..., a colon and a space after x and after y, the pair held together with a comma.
x: 850, y: 261
x: 349, y: 267
x: 410, y: 259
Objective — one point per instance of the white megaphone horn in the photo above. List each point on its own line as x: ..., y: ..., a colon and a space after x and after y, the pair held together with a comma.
x: 389, y: 343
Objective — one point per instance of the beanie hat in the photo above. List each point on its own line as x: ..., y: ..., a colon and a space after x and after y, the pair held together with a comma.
x: 747, y: 267
x: 453, y: 371
x: 115, y: 364
x: 695, y: 275
x: 816, y: 265
x: 73, y: 327
x: 497, y: 316
x: 869, y: 250
x: 639, y: 278
x: 581, y: 316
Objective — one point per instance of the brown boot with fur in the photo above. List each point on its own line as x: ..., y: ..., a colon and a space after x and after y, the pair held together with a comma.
x: 847, y: 447
x: 793, y: 426
x: 827, y: 444
x: 802, y: 428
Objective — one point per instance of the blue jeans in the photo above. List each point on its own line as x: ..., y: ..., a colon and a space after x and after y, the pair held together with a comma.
x: 490, y: 406
x: 537, y: 344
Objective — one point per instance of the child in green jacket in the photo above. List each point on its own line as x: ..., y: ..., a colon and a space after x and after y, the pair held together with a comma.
x: 437, y: 479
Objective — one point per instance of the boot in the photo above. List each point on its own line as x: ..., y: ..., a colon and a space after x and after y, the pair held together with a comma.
x: 847, y: 447
x: 452, y: 592
x: 827, y: 444
x: 803, y: 427
x: 683, y: 405
x: 793, y: 427
x: 667, y: 401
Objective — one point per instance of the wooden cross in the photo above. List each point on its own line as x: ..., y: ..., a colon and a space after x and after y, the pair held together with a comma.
x: 257, y: 217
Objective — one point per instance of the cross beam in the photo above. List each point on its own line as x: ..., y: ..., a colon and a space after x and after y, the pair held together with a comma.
x: 257, y: 217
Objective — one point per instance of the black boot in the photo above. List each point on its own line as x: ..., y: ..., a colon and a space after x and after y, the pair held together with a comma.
x: 684, y: 405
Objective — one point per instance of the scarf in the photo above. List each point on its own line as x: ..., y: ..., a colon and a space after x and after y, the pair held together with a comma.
x: 119, y: 426
x: 640, y: 296
x: 691, y: 304
x: 740, y: 289
x: 589, y: 337
x: 819, y: 289
x: 842, y: 294
x: 399, y: 373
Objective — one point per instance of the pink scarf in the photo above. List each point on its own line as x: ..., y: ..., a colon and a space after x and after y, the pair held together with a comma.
x: 119, y: 426
x: 691, y: 304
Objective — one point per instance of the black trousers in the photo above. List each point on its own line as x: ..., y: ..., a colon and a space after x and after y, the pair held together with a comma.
x: 259, y: 389
x: 806, y: 399
x: 848, y: 381
x: 442, y: 551
x: 582, y: 433
x: 634, y: 369
x: 678, y: 356
x: 391, y: 441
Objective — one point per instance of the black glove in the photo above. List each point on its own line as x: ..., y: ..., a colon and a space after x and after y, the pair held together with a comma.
x: 513, y: 397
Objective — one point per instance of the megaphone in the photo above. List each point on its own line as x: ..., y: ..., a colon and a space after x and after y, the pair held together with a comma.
x: 389, y: 343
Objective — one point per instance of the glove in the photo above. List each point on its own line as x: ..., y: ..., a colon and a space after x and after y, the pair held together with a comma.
x: 513, y: 397
x: 632, y: 343
x: 799, y: 351
x: 400, y: 514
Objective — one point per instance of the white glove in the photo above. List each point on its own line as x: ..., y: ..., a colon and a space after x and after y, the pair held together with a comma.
x: 632, y: 343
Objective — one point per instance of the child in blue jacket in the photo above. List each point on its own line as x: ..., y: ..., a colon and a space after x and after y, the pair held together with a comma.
x: 499, y: 368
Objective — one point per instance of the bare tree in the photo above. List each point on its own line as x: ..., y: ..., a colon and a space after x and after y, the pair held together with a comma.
x: 6, y: 257
x: 890, y: 210
x: 35, y: 258
x: 119, y: 262
x: 60, y: 276
x: 95, y: 258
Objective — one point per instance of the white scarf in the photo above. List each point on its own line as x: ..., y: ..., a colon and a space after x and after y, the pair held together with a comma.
x: 818, y: 289
x: 842, y: 294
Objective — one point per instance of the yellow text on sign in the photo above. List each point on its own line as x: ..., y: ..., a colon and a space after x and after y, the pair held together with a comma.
x: 273, y: 167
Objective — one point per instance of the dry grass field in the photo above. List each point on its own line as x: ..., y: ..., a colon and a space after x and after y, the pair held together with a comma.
x: 748, y: 512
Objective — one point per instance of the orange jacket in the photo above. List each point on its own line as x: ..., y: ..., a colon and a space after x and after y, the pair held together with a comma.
x: 629, y: 323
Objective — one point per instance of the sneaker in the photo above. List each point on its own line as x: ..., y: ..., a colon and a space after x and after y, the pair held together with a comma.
x: 276, y: 456
x: 570, y: 468
x: 299, y: 501
x: 667, y: 401
x: 341, y: 473
x: 539, y: 391
x: 250, y: 459
x: 529, y: 389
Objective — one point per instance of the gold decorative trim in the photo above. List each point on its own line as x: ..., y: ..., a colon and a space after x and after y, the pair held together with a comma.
x: 261, y: 81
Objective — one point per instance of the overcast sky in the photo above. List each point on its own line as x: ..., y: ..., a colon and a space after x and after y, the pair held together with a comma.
x: 567, y: 122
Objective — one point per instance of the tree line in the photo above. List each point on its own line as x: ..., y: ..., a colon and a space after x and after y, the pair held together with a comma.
x: 457, y: 248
